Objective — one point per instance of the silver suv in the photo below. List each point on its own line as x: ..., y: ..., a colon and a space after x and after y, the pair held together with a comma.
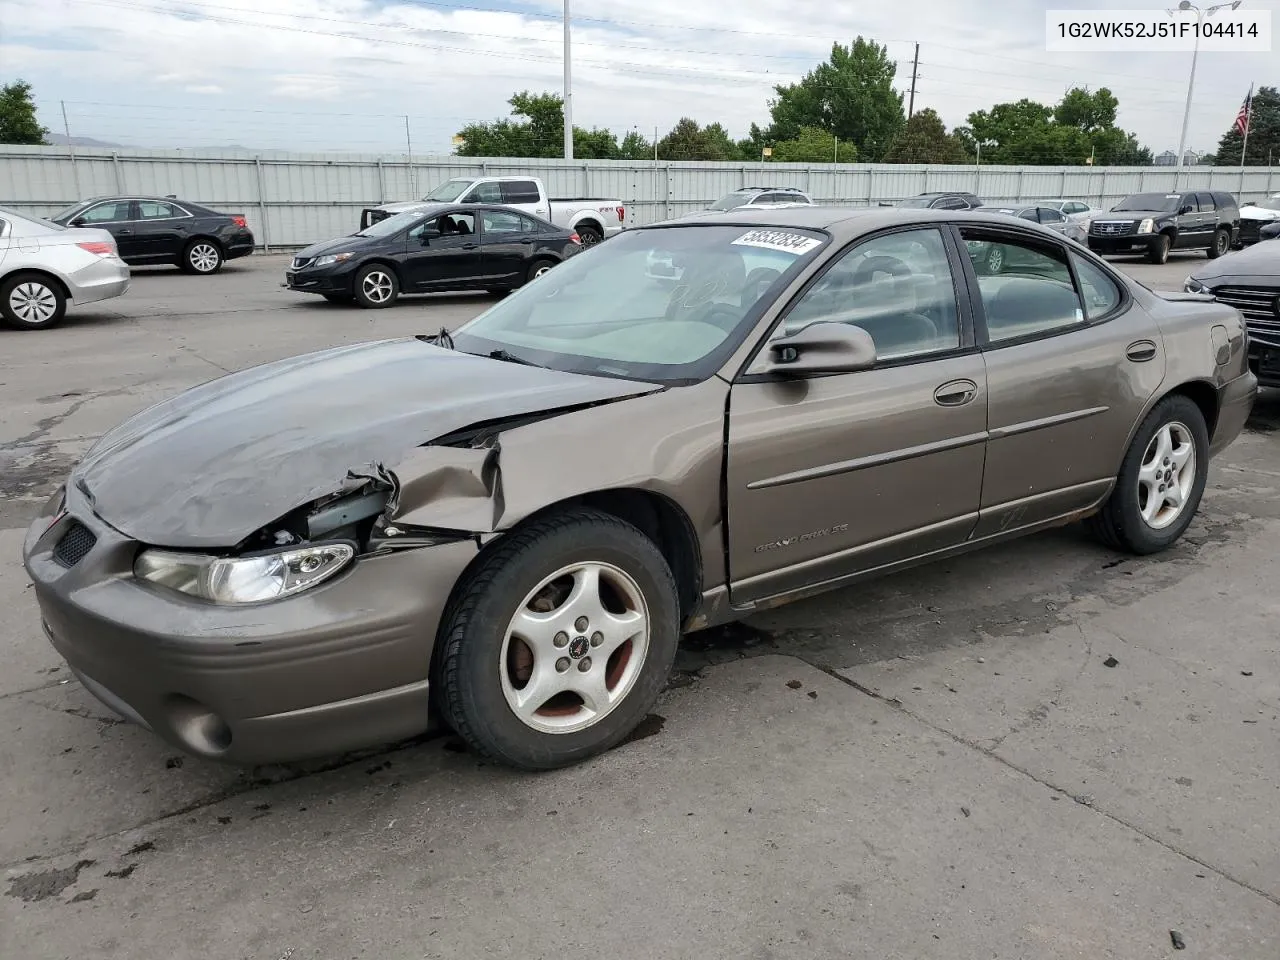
x: 767, y: 197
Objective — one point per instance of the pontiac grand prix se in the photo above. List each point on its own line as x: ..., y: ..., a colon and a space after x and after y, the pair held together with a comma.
x: 515, y: 523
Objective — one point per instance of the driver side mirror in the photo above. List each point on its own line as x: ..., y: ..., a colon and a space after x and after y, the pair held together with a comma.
x: 77, y: 222
x: 822, y: 348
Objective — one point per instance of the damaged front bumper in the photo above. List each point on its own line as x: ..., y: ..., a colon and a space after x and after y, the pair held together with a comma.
x: 338, y: 667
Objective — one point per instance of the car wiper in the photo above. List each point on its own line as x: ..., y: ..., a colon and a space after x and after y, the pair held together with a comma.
x: 442, y: 339
x: 506, y: 356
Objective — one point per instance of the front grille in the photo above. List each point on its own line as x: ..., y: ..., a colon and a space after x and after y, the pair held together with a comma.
x: 1112, y: 228
x: 74, y: 545
x: 300, y: 262
x: 1261, y: 308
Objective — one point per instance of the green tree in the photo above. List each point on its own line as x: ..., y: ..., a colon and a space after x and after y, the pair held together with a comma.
x: 535, y: 129
x: 850, y: 96
x: 814, y: 145
x: 924, y: 139
x: 18, y: 123
x: 635, y: 147
x: 687, y: 140
x: 1081, y: 126
x: 1264, y: 133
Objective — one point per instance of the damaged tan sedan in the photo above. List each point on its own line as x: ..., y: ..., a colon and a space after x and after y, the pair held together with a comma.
x: 514, y: 525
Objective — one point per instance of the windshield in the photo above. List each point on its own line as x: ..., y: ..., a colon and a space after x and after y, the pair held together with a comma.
x: 69, y: 211
x: 731, y: 202
x: 916, y: 201
x: 1272, y: 203
x: 449, y: 191
x: 1163, y: 202
x: 666, y: 305
x: 392, y: 225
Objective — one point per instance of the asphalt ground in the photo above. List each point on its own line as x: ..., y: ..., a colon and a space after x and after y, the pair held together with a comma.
x: 938, y: 764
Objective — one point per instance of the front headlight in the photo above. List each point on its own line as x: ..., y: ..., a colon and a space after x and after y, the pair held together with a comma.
x: 1146, y: 226
x: 250, y: 579
x: 1194, y: 286
x: 330, y: 259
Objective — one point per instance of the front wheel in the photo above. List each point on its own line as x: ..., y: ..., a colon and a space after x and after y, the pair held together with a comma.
x: 1159, y: 250
x: 557, y: 646
x: 1161, y: 480
x: 376, y: 287
x: 202, y: 257
x: 1221, y: 244
x: 538, y: 268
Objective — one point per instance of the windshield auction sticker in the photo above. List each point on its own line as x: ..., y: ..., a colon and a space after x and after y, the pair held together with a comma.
x: 780, y: 240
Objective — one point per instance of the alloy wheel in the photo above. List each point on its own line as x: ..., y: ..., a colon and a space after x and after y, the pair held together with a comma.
x: 574, y: 648
x: 1167, y: 475
x: 377, y: 286
x: 203, y: 258
x: 32, y: 302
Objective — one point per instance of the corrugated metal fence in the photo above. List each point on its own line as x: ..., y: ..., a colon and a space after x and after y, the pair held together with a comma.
x: 294, y: 199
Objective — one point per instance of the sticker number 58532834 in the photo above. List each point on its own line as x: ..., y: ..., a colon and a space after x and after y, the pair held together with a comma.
x: 781, y: 240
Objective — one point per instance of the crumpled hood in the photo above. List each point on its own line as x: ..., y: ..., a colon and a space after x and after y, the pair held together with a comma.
x: 211, y: 466
x: 1259, y: 213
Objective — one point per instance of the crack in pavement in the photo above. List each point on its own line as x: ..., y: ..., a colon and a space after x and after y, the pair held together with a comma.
x: 898, y: 705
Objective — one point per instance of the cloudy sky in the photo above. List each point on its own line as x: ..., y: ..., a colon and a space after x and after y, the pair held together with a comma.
x: 316, y: 75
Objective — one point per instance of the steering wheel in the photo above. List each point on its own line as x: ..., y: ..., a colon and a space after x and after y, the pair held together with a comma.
x: 687, y: 298
x: 869, y: 267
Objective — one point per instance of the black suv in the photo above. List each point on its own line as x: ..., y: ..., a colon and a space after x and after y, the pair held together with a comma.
x: 953, y: 200
x: 1155, y: 223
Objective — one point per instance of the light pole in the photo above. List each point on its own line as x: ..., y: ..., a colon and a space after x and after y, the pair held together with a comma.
x: 1183, y: 7
x: 568, y: 90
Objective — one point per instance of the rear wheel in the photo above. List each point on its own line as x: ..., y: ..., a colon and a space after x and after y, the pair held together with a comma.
x: 376, y: 287
x: 1161, y: 480
x: 29, y: 301
x: 202, y: 256
x: 589, y: 236
x: 1159, y: 250
x: 538, y: 268
x: 1221, y: 244
x: 560, y: 642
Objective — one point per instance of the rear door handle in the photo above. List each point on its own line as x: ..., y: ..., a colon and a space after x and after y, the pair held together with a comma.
x: 1141, y: 351
x: 469, y: 246
x: 124, y: 233
x: 956, y: 393
x: 527, y: 240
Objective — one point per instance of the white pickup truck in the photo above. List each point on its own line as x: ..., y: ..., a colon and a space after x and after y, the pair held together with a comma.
x: 594, y: 219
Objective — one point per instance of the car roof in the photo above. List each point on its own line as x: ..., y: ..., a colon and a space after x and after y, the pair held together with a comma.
x: 841, y: 221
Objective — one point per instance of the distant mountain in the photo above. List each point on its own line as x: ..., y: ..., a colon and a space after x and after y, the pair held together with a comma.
x: 61, y: 140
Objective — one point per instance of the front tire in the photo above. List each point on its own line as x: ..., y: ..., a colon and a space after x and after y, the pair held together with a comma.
x: 1221, y: 244
x: 29, y: 301
x: 202, y: 257
x: 376, y: 287
x: 537, y: 269
x: 1159, y: 249
x: 1161, y: 480
x: 560, y: 642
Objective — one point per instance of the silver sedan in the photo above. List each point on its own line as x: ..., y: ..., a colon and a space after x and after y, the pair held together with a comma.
x: 45, y: 267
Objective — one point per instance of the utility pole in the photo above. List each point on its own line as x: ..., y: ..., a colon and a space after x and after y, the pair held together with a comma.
x: 71, y: 149
x: 568, y: 90
x: 915, y: 69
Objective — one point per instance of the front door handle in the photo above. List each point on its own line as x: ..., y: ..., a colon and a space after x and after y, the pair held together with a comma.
x: 956, y: 393
x: 469, y: 246
x: 527, y: 240
x: 1140, y: 351
x: 124, y: 233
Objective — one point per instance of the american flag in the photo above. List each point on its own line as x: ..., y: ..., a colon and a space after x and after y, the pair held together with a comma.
x: 1242, y: 118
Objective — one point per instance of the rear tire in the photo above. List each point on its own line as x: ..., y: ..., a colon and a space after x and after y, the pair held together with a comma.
x: 1159, y: 251
x: 538, y: 268
x: 1141, y: 516
x: 515, y: 648
x: 1221, y: 244
x: 376, y: 286
x: 30, y: 301
x: 202, y: 257
x: 589, y: 236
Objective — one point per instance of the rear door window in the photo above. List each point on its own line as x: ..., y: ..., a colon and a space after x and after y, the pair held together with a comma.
x: 1205, y: 202
x: 1031, y: 295
x: 155, y: 210
x: 519, y: 191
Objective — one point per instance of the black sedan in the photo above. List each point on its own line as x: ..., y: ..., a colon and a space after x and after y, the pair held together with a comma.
x: 165, y: 230
x: 440, y: 247
x: 1250, y: 282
